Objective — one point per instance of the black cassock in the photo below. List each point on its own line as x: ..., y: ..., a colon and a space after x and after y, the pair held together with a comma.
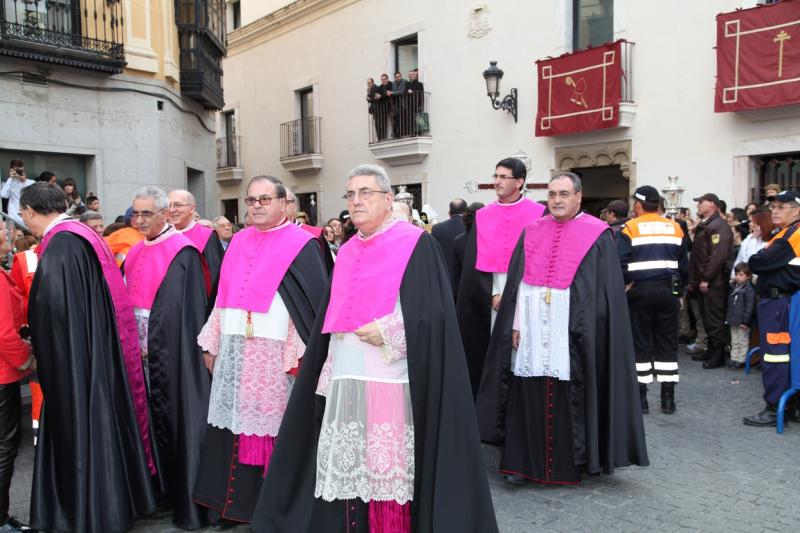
x: 213, y: 253
x: 551, y: 429
x: 474, y: 309
x: 90, y: 472
x: 179, y: 384
x: 451, y: 492
x: 225, y: 485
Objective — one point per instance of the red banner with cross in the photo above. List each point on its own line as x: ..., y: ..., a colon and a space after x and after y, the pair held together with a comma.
x: 580, y: 91
x: 758, y: 57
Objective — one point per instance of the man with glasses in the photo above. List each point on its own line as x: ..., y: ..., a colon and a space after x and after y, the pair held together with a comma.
x: 494, y: 235
x: 182, y: 211
x: 224, y: 230
x: 387, y: 364
x: 168, y: 287
x: 272, y: 282
x: 559, y: 387
x: 778, y: 270
x: 94, y: 438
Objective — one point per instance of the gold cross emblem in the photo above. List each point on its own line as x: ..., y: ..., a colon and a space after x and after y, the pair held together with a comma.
x: 780, y: 39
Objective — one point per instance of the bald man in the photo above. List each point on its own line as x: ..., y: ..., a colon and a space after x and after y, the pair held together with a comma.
x: 182, y: 213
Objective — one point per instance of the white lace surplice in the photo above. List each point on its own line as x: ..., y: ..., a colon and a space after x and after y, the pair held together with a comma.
x: 366, y: 443
x: 544, y: 333
x: 251, y: 386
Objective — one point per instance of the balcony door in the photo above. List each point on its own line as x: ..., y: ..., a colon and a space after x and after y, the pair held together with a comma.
x: 306, y: 133
x: 231, y: 155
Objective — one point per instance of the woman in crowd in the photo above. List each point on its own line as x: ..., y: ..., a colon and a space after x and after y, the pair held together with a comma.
x: 330, y: 238
x: 336, y: 225
x: 761, y: 228
x: 75, y: 207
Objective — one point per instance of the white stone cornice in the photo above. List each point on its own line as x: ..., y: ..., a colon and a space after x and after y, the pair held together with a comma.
x: 282, y: 21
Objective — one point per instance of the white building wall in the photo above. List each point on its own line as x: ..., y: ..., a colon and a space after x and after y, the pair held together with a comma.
x: 127, y: 141
x: 675, y: 131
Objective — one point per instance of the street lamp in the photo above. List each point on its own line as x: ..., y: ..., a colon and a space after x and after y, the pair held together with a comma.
x: 493, y: 75
x: 672, y: 196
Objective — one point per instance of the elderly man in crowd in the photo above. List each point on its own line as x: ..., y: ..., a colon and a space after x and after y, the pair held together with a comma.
x: 94, y: 220
x: 389, y: 362
x: 778, y: 270
x: 166, y: 282
x: 446, y: 232
x: 224, y: 230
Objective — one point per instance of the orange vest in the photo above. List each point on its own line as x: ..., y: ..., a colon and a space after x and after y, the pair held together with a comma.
x: 22, y: 271
x: 121, y: 242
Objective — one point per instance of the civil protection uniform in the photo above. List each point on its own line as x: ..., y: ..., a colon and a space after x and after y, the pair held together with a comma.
x: 778, y: 270
x: 654, y: 259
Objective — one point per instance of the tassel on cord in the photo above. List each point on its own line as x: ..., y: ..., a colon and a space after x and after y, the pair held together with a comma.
x: 248, y: 328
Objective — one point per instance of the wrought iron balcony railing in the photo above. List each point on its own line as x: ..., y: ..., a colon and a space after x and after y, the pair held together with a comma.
x: 301, y: 137
x: 228, y: 154
x: 79, y: 33
x: 399, y: 116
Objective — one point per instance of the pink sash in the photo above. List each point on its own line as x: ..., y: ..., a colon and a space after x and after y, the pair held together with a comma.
x: 126, y: 324
x: 554, y: 250
x: 255, y: 264
x: 147, y: 265
x: 367, y: 277
x: 499, y: 227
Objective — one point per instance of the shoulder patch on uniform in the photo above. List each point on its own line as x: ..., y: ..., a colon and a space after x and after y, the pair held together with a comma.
x: 715, y: 238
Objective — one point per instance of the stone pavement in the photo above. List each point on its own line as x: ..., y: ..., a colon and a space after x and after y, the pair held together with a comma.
x: 708, y: 472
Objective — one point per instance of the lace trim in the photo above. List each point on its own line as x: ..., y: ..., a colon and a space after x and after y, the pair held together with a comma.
x: 393, y: 332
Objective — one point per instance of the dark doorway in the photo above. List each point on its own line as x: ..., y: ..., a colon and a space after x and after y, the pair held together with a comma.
x: 230, y: 208
x: 195, y: 184
x: 600, y: 186
x: 416, y: 190
x: 307, y: 203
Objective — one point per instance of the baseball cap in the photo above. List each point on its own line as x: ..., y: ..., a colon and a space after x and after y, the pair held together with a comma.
x: 785, y: 196
x: 344, y: 215
x: 646, y: 193
x: 710, y: 196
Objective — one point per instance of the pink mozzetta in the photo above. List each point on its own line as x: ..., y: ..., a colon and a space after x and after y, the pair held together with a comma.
x: 147, y: 265
x: 499, y: 227
x: 126, y: 323
x: 255, y: 264
x: 199, y: 235
x: 554, y: 250
x: 367, y: 277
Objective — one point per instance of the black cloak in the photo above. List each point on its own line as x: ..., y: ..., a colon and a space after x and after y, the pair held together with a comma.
x: 474, y: 309
x: 301, y: 290
x: 605, y: 412
x: 213, y: 254
x: 179, y: 384
x: 90, y: 472
x: 451, y: 492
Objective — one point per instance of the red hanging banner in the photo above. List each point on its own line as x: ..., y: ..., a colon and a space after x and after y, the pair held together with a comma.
x: 758, y: 57
x: 580, y: 91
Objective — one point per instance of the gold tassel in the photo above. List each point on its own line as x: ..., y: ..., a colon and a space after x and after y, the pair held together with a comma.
x: 248, y: 329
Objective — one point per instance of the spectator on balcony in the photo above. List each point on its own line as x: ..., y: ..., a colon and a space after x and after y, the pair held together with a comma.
x: 380, y: 106
x: 17, y: 180
x: 92, y: 202
x: 47, y: 177
x: 374, y: 96
x: 400, y: 120
x: 75, y: 206
x: 418, y: 118
x: 94, y: 220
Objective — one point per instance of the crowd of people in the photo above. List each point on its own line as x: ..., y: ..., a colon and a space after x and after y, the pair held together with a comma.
x: 342, y: 378
x: 398, y: 107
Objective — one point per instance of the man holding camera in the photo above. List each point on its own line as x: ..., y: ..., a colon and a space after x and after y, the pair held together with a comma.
x: 17, y: 180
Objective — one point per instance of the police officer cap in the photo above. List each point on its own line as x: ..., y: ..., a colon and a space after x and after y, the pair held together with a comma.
x: 709, y: 196
x: 646, y: 193
x: 785, y: 196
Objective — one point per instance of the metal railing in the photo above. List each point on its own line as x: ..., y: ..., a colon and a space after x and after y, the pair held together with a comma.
x: 300, y: 137
x: 627, y: 71
x: 228, y: 152
x: 86, y: 26
x: 399, y: 116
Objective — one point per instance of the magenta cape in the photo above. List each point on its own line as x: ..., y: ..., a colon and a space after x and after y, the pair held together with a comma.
x: 126, y: 323
x: 199, y: 236
x: 255, y: 264
x: 554, y: 250
x: 316, y: 231
x: 146, y: 265
x: 367, y: 277
x: 499, y: 227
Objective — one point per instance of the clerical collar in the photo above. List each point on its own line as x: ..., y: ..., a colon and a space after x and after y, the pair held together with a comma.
x: 515, y: 202
x: 165, y: 233
x: 580, y: 213
x: 283, y: 223
x: 63, y: 217
x: 384, y: 227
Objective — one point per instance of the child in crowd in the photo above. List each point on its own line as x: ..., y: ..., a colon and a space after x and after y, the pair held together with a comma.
x: 741, y: 302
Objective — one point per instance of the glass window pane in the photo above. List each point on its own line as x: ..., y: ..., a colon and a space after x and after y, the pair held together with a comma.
x: 593, y: 22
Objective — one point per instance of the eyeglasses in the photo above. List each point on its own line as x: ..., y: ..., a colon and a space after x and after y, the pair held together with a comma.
x: 263, y: 200
x: 178, y: 205
x: 562, y: 195
x: 363, y: 194
x: 503, y: 177
x: 147, y: 215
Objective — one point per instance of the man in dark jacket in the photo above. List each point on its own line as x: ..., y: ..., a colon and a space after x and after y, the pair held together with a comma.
x: 617, y: 214
x: 711, y: 256
x: 445, y: 232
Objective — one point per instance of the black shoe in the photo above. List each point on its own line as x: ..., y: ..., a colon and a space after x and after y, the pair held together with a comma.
x: 643, y: 399
x: 766, y: 418
x: 223, y: 524
x: 12, y: 525
x: 515, y: 479
x: 668, y: 398
x: 717, y: 360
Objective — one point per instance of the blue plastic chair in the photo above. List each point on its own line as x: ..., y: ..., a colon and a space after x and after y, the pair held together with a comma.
x: 794, y: 362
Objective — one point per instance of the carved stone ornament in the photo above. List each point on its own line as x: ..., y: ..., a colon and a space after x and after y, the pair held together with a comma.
x: 479, y: 22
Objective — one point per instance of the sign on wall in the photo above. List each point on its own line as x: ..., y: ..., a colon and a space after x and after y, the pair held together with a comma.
x: 758, y: 57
